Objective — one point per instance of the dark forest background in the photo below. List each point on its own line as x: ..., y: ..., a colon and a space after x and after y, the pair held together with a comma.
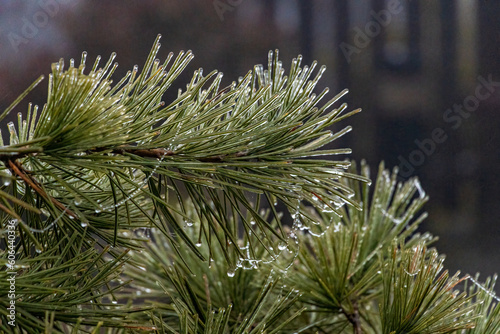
x: 424, y: 72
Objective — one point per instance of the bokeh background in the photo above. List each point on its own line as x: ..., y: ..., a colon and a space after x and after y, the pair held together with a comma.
x: 424, y: 72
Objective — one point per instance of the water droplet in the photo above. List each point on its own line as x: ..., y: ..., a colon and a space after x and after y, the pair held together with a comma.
x: 78, y: 201
x: 83, y: 224
x: 38, y: 250
x: 6, y: 176
x: 198, y: 244
x: 231, y: 273
x: 114, y: 302
x: 282, y: 246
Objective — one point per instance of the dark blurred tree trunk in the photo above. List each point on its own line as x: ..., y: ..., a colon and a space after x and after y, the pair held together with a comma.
x: 488, y: 120
x: 449, y: 89
x: 341, y: 21
x: 306, y: 29
x: 269, y: 11
x: 489, y: 37
x: 448, y: 33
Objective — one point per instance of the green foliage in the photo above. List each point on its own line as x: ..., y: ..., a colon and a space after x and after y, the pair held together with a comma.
x: 67, y: 288
x: 201, y: 292
x: 418, y: 299
x: 485, y: 305
x: 133, y: 215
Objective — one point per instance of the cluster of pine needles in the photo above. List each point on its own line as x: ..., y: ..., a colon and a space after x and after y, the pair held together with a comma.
x: 223, y: 210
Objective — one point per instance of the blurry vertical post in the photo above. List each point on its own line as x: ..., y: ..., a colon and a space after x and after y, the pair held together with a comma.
x: 363, y: 37
x: 453, y: 116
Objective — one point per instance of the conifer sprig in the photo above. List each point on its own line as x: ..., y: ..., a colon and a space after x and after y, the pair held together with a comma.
x: 127, y: 214
x: 65, y: 288
x: 113, y: 156
x: 420, y: 298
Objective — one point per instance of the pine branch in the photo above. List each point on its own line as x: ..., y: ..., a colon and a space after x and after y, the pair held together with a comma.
x: 354, y: 318
x: 71, y: 288
x: 420, y: 299
x: 19, y: 171
x: 202, y: 293
x: 338, y: 264
x: 485, y: 305
x: 253, y: 136
x: 134, y: 215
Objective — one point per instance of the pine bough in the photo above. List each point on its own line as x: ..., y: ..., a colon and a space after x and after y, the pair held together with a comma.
x: 222, y: 210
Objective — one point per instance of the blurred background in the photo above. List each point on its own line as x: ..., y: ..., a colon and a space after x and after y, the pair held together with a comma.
x: 424, y: 72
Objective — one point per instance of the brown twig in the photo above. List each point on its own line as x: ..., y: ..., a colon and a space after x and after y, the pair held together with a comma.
x: 13, y: 214
x: 157, y: 153
x: 354, y: 318
x: 151, y: 153
x: 19, y: 170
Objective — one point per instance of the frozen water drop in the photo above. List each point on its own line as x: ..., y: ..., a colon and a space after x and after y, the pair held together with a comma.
x: 6, y: 176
